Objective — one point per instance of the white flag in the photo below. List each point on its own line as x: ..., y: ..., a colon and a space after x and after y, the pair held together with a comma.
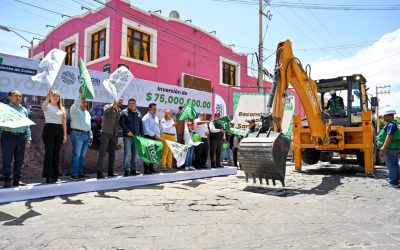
x: 10, y: 118
x: 50, y: 66
x: 179, y: 151
x: 187, y: 138
x: 117, y: 83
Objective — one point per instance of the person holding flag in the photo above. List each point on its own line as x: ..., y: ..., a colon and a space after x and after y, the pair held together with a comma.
x: 132, y: 125
x: 216, y: 139
x: 54, y: 134
x: 201, y: 151
x: 13, y: 143
x: 151, y: 130
x: 109, y: 137
x: 81, y: 135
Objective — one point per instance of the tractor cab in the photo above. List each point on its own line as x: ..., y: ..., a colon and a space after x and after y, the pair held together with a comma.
x: 343, y: 99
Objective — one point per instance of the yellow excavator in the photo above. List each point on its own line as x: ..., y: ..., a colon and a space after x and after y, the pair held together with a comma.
x: 262, y: 155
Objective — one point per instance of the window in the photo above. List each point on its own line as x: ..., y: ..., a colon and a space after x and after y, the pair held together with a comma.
x: 138, y: 45
x: 98, y: 45
x: 228, y: 74
x: 71, y: 54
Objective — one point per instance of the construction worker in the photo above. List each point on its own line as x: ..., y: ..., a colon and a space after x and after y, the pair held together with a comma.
x: 335, y: 105
x: 388, y: 142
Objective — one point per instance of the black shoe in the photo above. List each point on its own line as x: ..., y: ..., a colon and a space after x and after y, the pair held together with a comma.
x: 83, y: 176
x: 213, y: 167
x: 111, y: 174
x: 100, y: 176
x: 151, y: 169
x: 126, y: 173
x: 49, y: 180
x: 219, y: 166
x: 74, y: 177
x: 134, y: 173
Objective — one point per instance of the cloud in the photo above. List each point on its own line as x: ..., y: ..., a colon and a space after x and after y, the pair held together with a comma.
x: 379, y: 63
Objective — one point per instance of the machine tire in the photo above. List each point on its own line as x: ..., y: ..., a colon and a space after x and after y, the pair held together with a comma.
x: 310, y: 156
x: 326, y: 156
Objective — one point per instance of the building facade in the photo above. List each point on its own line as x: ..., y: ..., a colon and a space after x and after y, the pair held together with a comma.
x: 153, y: 47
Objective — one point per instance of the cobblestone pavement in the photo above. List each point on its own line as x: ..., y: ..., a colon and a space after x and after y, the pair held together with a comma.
x: 328, y: 207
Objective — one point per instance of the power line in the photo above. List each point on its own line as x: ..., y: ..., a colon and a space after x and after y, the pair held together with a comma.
x: 297, y: 5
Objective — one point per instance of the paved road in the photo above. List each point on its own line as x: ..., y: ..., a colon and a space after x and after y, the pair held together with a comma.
x: 328, y: 207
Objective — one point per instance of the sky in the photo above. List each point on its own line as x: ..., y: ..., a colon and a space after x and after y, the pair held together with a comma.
x: 333, y: 42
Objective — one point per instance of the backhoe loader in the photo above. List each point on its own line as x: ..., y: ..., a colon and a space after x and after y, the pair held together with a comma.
x: 262, y: 154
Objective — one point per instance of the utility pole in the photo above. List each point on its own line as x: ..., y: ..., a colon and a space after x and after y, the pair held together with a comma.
x: 380, y: 90
x: 260, y: 47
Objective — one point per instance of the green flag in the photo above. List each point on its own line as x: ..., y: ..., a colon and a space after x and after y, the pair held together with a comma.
x: 239, y: 132
x: 188, y: 111
x: 86, y: 81
x: 148, y: 150
x: 225, y: 121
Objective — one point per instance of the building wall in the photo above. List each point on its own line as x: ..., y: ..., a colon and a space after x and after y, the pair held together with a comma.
x: 181, y: 47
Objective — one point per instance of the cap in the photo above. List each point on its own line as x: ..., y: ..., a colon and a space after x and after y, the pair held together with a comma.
x: 332, y: 91
x: 389, y: 112
x: 217, y: 113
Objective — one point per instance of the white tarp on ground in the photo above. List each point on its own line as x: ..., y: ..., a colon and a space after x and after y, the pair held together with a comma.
x: 16, y: 72
x: 36, y: 191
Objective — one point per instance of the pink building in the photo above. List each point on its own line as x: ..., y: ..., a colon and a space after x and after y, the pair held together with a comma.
x: 166, y: 50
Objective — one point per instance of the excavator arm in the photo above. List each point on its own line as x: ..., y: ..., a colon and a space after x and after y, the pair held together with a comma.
x: 290, y: 71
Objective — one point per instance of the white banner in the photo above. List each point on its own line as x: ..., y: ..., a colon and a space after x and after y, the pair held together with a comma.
x: 50, y: 65
x: 10, y: 118
x: 15, y: 73
x: 251, y: 106
x: 117, y: 83
x: 179, y: 151
x: 220, y: 105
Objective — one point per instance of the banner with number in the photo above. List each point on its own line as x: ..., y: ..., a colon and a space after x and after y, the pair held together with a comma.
x: 16, y: 72
x: 10, y: 118
x: 148, y: 150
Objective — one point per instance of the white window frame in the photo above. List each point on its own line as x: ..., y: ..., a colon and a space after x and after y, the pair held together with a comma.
x: 38, y: 56
x: 105, y: 23
x: 70, y: 40
x: 153, y: 42
x: 221, y: 71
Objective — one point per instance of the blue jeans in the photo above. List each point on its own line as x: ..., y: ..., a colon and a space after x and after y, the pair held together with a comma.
x: 189, y: 157
x: 227, y: 154
x: 80, y: 143
x: 392, y: 163
x: 129, y: 154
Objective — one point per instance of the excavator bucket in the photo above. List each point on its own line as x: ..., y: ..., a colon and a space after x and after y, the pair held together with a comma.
x: 263, y: 156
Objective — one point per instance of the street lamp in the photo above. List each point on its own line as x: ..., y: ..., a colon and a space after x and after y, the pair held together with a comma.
x: 5, y: 28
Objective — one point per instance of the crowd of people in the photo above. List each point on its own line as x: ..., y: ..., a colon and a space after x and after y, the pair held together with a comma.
x: 216, y: 144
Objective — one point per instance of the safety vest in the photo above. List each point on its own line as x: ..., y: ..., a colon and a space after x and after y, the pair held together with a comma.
x: 336, y: 104
x: 394, y: 143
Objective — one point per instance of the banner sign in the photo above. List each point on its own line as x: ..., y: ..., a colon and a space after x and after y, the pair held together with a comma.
x: 247, y: 106
x: 67, y: 82
x: 179, y: 151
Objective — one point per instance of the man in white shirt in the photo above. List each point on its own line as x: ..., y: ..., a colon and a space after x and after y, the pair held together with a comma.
x: 216, y: 139
x: 201, y: 151
x: 151, y: 129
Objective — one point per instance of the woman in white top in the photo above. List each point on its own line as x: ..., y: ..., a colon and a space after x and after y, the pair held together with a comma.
x: 54, y: 134
x: 168, y: 133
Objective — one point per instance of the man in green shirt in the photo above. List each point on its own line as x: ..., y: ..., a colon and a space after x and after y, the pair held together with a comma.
x: 13, y: 143
x: 81, y: 135
x: 335, y: 105
x: 388, y: 142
